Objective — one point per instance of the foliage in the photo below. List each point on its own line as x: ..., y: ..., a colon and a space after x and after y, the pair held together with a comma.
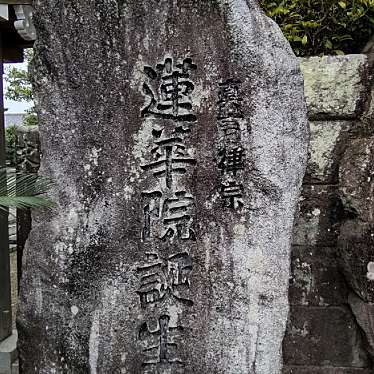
x: 17, y: 189
x: 19, y: 88
x: 30, y: 118
x: 23, y: 190
x: 323, y: 27
x: 19, y: 82
x: 10, y: 144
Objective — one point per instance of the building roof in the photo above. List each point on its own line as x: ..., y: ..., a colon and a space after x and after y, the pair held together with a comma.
x: 15, y: 31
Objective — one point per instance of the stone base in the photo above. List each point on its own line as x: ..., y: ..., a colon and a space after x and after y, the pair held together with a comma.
x: 9, y: 355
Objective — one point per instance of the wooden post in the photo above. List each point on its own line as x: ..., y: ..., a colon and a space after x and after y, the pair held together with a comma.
x: 5, y: 295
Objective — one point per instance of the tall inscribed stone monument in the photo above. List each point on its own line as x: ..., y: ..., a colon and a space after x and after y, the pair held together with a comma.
x: 176, y: 132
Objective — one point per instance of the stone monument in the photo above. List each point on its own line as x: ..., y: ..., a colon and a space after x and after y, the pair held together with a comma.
x: 176, y: 132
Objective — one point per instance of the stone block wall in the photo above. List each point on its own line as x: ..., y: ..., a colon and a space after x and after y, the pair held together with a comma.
x: 323, y: 335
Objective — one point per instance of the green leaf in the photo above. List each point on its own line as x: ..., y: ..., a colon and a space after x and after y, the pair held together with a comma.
x: 18, y: 85
x: 304, y: 39
x: 328, y: 44
x: 331, y: 25
x: 342, y: 4
x: 295, y: 38
x: 24, y: 202
x: 23, y: 190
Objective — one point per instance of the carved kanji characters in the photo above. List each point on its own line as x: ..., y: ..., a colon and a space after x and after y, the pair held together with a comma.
x: 168, y: 211
x: 160, y: 277
x: 160, y: 346
x: 231, y: 152
x: 168, y: 217
x: 230, y: 129
x: 229, y: 90
x: 151, y: 211
x: 177, y: 216
x: 229, y: 104
x: 170, y: 157
x: 232, y: 160
x: 232, y: 194
x: 172, y: 97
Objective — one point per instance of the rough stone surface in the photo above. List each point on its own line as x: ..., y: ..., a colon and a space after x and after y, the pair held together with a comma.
x: 325, y: 337
x: 356, y: 237
x: 177, y: 134
x: 327, y: 141
x: 315, y: 277
x: 368, y: 115
x: 334, y: 85
x: 319, y: 215
x: 337, y: 190
x: 364, y: 313
x: 28, y: 149
x: 357, y: 232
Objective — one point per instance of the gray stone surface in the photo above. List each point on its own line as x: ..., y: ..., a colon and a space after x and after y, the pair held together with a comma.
x: 316, y: 279
x: 319, y: 215
x: 356, y: 237
x: 151, y: 264
x: 324, y: 336
x: 364, y: 313
x: 28, y: 149
x: 318, y: 336
x: 327, y: 142
x: 357, y: 232
x: 334, y: 85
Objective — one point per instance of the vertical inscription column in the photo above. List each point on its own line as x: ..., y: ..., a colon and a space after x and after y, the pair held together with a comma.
x: 231, y: 153
x: 168, y: 235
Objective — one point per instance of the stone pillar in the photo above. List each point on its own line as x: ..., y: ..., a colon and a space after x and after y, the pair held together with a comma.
x: 177, y: 136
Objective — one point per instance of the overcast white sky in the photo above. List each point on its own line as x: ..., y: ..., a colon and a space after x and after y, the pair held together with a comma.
x: 12, y: 106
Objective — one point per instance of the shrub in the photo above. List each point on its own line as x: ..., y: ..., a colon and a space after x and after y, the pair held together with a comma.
x: 10, y: 145
x: 19, y: 88
x: 323, y: 27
